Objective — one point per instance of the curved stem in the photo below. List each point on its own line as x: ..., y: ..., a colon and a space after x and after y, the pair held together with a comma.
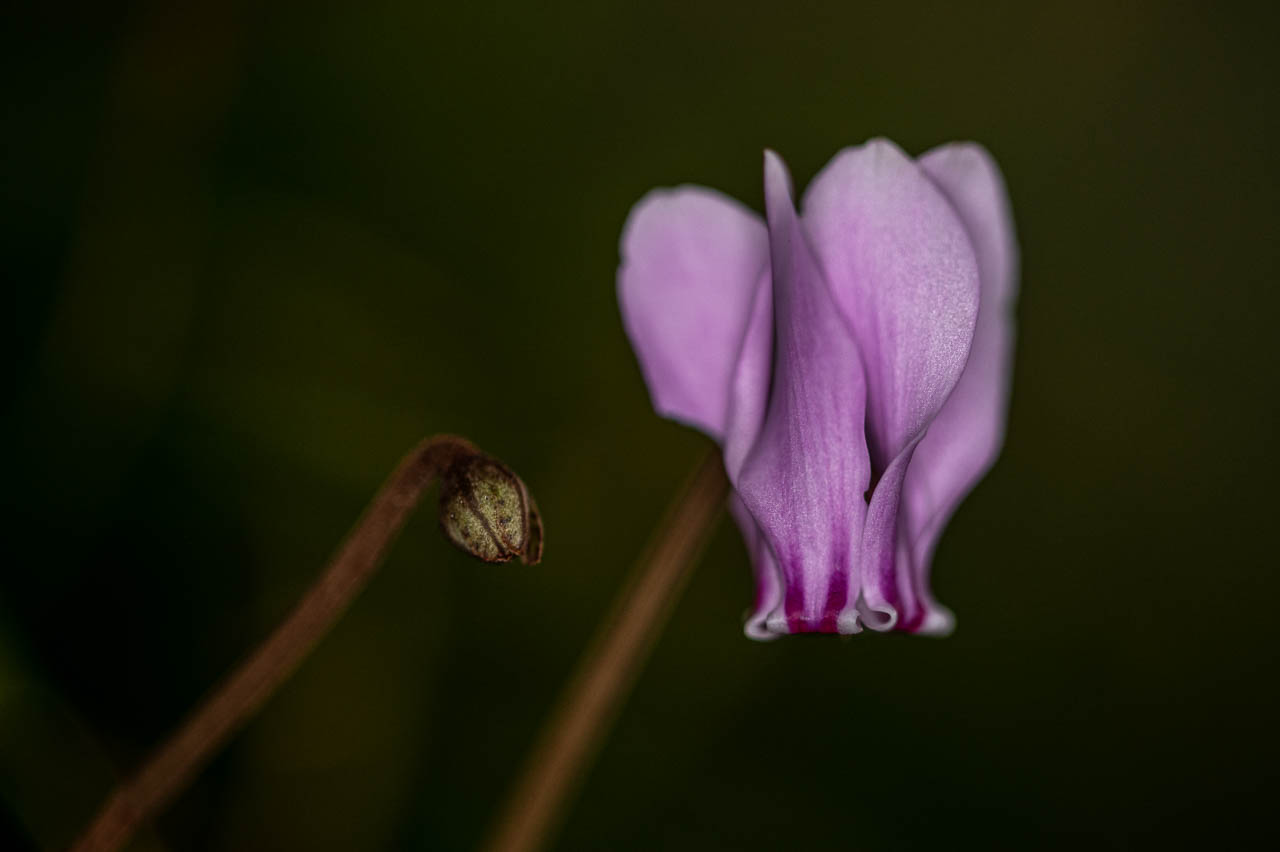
x: 609, y: 668
x: 170, y: 769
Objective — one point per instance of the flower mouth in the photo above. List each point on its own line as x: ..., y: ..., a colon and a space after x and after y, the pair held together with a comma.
x: 845, y: 622
x: 828, y: 622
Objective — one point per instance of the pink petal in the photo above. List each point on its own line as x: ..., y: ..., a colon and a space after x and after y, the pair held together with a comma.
x: 691, y: 260
x: 965, y: 437
x: 752, y: 380
x: 901, y: 267
x: 769, y: 589
x: 804, y: 479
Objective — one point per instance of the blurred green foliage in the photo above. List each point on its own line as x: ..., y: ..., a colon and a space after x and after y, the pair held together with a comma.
x: 255, y: 252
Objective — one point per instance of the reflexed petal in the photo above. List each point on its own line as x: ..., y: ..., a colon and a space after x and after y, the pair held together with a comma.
x: 902, y: 269
x: 752, y: 380
x: 803, y: 481
x: 885, y: 579
x: 691, y: 260
x: 965, y: 437
x: 768, y: 577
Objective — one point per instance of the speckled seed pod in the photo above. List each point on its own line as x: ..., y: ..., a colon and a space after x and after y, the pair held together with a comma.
x: 486, y: 511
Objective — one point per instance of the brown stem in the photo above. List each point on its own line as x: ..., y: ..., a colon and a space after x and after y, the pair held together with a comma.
x: 248, y: 687
x: 588, y: 705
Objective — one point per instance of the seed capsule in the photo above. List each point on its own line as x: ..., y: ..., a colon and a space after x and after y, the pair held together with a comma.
x: 486, y: 511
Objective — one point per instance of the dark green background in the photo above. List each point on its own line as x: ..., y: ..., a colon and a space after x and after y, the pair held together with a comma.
x: 253, y: 254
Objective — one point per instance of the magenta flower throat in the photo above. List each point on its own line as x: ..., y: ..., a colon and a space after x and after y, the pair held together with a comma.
x: 852, y: 360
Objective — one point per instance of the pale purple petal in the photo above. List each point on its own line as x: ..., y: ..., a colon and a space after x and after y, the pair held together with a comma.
x: 752, y: 380
x: 965, y: 437
x: 768, y: 577
x: 885, y: 580
x: 902, y: 270
x: 803, y: 481
x: 691, y: 260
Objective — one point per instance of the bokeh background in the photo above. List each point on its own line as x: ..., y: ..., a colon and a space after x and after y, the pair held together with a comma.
x: 253, y: 252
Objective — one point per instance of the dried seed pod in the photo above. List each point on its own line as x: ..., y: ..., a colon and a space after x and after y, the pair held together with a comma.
x: 486, y: 511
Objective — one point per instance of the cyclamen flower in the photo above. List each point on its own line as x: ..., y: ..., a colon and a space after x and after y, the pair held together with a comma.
x: 853, y: 362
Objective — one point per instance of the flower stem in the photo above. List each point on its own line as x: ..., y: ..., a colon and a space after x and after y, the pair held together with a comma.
x: 609, y: 668
x: 248, y: 687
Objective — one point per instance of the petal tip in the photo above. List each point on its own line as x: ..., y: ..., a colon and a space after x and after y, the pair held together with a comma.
x: 777, y: 178
x: 874, y: 155
x: 757, y: 629
x: 884, y: 146
x: 880, y: 617
x: 971, y: 154
x: 939, y: 622
x: 848, y: 623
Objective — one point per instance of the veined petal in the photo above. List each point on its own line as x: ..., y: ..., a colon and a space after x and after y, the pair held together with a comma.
x: 769, y: 588
x: 965, y: 437
x: 691, y: 259
x: 902, y: 269
x: 752, y: 380
x: 885, y: 579
x: 803, y: 480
